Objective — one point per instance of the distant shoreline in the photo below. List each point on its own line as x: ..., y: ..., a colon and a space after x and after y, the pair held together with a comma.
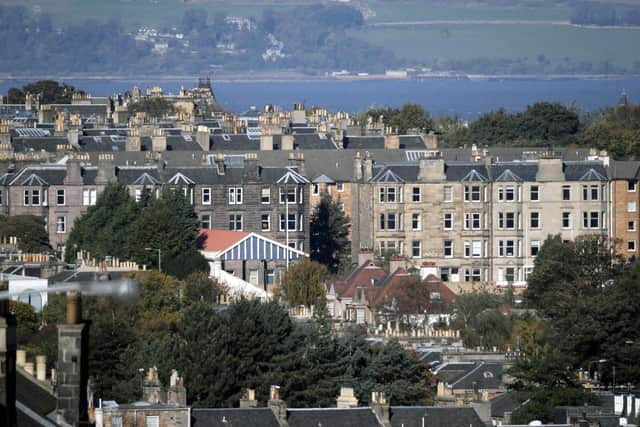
x: 300, y: 77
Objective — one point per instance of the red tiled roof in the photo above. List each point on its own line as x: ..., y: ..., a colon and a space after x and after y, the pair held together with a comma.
x: 363, y: 278
x: 219, y: 240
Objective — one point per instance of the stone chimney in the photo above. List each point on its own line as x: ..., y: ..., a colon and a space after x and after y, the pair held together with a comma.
x: 298, y: 115
x: 74, y: 171
x: 133, y: 142
x: 347, y: 398
x: 151, y: 387
x: 177, y: 393
x: 106, y: 169
x: 431, y: 167
x: 73, y: 137
x: 203, y: 135
x: 367, y: 167
x: 550, y: 169
x: 286, y: 142
x: 41, y: 368
x: 266, y: 140
x: 5, y: 133
x: 380, y: 408
x: 430, y: 140
x: 158, y: 140
x: 278, y: 406
x: 120, y: 114
x: 46, y: 114
x: 248, y: 399
x: 357, y: 167
x: 251, y: 167
x: 338, y: 137
x: 72, y: 370
x: 218, y: 160
x: 391, y: 140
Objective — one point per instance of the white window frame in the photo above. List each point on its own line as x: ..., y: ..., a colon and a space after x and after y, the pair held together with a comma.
x: 631, y: 225
x: 315, y: 189
x: 206, y: 196
x: 416, y: 221
x: 568, y: 189
x: 340, y: 187
x: 534, y: 244
x: 233, y: 218
x: 235, y: 195
x: 631, y: 246
x: 414, y: 247
x: 61, y: 224
x: 569, y: 217
x: 447, y: 246
x: 447, y: 193
x: 631, y: 206
x: 60, y: 192
x: 448, y: 217
x: 202, y: 221
x: 89, y: 196
x: 262, y: 222
x: 536, y: 192
x: 538, y: 219
x: 416, y: 197
x: 631, y: 186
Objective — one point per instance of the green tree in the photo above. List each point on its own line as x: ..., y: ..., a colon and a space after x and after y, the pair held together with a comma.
x: 330, y: 244
x: 304, y: 284
x: 154, y: 107
x: 50, y: 91
x: 30, y: 231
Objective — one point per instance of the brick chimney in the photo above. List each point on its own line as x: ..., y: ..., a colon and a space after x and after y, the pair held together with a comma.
x: 72, y: 370
x: 203, y: 135
x: 347, y: 398
x: 380, y: 408
x: 248, y: 399
x: 431, y: 167
x: 278, y: 406
x: 219, y: 161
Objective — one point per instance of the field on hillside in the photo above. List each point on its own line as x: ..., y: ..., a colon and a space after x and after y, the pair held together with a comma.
x: 414, y: 10
x: 468, y: 41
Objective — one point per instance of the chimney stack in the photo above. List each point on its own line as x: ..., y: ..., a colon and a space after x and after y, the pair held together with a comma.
x: 74, y: 171
x: 133, y: 142
x: 347, y: 398
x: 266, y: 140
x: 72, y: 370
x: 219, y: 161
x: 286, y: 142
x: 357, y: 166
x: 431, y: 167
x: 151, y: 387
x: 248, y: 399
x: 106, y: 169
x: 203, y: 135
x: 279, y: 407
x: 430, y: 140
x: 550, y: 168
x: 73, y: 137
x: 380, y: 408
x: 159, y: 140
x: 391, y: 140
x: 251, y: 167
x: 177, y: 393
x: 367, y: 167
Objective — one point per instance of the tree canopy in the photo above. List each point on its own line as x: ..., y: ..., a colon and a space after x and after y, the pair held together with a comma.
x: 408, y: 117
x: 30, y: 231
x: 50, y: 91
x: 330, y: 244
x: 304, y: 284
x: 118, y: 226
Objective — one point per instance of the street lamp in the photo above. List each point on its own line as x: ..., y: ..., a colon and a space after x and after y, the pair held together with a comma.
x: 159, y: 257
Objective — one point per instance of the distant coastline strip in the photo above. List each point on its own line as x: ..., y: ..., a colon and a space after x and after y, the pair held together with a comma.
x: 499, y: 22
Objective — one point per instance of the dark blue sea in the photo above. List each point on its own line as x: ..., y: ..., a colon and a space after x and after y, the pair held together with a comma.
x: 465, y: 98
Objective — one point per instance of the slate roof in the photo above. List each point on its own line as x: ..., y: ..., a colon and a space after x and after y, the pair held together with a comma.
x: 332, y: 417
x: 522, y: 171
x: 409, y: 142
x: 623, y: 169
x: 502, y: 403
x: 34, y: 397
x: 465, y: 171
x: 467, y: 376
x: 583, y: 171
x: 253, y: 417
x: 434, y: 416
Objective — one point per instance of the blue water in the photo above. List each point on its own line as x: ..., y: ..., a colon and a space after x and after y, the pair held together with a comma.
x: 465, y: 98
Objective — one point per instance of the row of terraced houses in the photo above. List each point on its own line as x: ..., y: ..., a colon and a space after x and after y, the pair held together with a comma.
x: 468, y: 214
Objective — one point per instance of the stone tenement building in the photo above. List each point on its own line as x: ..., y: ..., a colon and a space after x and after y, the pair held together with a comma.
x: 465, y: 214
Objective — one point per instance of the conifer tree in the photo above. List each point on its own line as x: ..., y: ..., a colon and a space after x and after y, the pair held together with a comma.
x: 330, y: 244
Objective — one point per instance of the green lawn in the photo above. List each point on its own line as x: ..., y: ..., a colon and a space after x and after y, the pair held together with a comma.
x: 419, y: 10
x: 619, y: 46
